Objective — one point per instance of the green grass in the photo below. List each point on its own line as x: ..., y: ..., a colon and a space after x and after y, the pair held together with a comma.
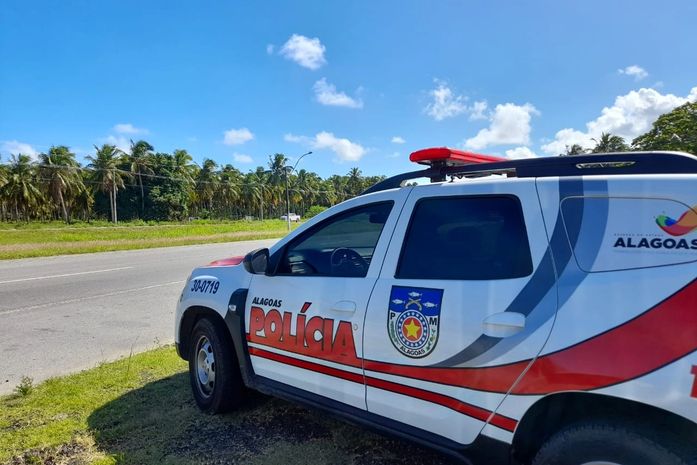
x: 21, y: 240
x: 140, y: 411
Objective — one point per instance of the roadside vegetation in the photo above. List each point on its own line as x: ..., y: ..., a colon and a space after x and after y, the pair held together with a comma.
x: 139, y: 410
x: 22, y: 240
x: 139, y: 183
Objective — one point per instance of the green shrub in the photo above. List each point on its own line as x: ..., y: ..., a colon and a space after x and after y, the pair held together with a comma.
x: 314, y: 211
x: 25, y: 386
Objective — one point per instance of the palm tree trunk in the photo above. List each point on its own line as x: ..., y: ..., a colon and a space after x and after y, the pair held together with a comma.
x: 111, y: 205
x: 62, y: 202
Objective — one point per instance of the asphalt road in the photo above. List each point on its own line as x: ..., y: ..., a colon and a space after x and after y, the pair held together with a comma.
x: 63, y: 314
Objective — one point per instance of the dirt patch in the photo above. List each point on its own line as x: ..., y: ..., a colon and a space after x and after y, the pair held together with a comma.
x: 80, y: 450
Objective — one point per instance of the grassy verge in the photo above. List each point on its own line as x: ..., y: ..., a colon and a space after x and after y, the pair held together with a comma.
x: 41, y: 240
x: 139, y: 411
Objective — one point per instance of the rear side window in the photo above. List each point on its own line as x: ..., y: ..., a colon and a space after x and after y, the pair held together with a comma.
x: 466, y: 238
x: 628, y: 233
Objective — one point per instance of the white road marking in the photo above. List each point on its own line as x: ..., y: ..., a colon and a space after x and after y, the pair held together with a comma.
x: 82, y: 299
x: 66, y: 275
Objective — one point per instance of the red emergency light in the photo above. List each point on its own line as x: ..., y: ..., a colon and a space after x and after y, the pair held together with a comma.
x: 445, y: 156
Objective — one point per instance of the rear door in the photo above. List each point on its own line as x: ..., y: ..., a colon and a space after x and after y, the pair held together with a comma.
x: 461, y: 305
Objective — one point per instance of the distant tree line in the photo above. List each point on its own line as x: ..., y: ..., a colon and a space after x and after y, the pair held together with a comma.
x: 141, y: 183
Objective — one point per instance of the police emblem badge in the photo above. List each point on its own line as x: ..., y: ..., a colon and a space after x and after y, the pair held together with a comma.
x: 413, y: 318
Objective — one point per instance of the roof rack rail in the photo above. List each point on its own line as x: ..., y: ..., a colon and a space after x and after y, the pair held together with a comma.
x: 660, y: 162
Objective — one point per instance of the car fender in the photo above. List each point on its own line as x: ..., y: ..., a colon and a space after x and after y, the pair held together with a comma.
x: 210, y: 287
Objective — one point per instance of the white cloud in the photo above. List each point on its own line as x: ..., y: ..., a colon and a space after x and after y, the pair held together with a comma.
x: 326, y: 94
x: 306, y: 52
x: 394, y: 155
x: 344, y: 149
x: 128, y: 128
x: 269, y: 49
x: 297, y: 139
x: 120, y: 142
x: 398, y: 140
x: 510, y: 124
x: 237, y: 136
x: 478, y: 110
x: 631, y: 115
x: 445, y: 103
x: 567, y: 138
x: 14, y: 147
x: 520, y: 152
x: 242, y: 158
x: 637, y: 72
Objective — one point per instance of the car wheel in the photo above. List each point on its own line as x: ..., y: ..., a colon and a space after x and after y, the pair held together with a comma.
x: 605, y: 443
x: 213, y: 369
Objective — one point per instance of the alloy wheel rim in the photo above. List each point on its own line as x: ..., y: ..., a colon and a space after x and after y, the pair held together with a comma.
x: 205, y: 366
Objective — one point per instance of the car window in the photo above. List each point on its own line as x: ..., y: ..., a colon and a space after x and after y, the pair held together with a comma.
x: 342, y: 245
x: 467, y: 238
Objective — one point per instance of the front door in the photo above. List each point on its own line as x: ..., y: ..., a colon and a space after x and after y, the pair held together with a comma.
x: 305, y: 321
x: 468, y: 294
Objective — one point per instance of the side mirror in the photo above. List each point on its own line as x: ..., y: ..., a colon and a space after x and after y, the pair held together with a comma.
x: 257, y: 261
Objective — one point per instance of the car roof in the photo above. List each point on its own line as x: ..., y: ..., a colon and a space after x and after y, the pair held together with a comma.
x: 574, y: 165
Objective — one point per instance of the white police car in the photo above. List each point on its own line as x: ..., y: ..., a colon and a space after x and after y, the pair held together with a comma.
x: 542, y: 311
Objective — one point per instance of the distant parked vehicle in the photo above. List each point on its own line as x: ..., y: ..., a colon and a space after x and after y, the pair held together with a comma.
x: 293, y: 217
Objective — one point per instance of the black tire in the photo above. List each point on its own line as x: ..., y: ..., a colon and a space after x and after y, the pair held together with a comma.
x: 224, y: 388
x: 612, y: 443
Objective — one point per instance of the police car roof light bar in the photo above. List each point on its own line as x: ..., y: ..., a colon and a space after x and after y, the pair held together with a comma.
x: 450, y: 157
x: 563, y: 166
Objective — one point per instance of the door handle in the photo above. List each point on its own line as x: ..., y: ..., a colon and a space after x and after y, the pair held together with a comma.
x: 346, y: 306
x: 504, y: 324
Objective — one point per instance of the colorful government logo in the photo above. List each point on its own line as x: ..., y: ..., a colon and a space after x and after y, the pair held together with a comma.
x: 685, y: 224
x: 412, y: 319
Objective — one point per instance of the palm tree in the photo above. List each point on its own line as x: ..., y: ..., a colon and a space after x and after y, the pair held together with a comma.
x: 609, y: 143
x: 206, y: 184
x: 574, y: 149
x: 106, y: 175
x: 252, y: 194
x: 140, y: 161
x: 183, y: 166
x: 84, y: 201
x: 61, y: 173
x: 3, y: 175
x: 228, y: 191
x: 328, y: 194
x: 3, y: 202
x: 354, y: 183
x: 275, y: 189
x: 20, y: 191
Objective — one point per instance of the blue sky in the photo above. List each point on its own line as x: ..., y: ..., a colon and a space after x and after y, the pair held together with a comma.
x: 361, y: 83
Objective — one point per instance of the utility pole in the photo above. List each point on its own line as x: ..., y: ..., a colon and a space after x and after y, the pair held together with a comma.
x: 286, y: 170
x: 113, y: 195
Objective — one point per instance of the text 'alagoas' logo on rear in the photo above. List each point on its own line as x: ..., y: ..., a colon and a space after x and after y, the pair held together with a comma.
x: 686, y: 224
x: 413, y: 319
x: 683, y: 225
